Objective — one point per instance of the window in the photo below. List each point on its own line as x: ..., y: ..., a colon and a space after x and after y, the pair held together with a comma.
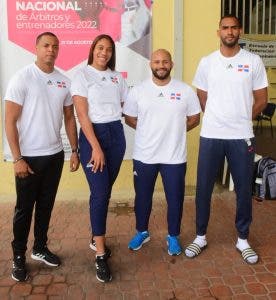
x: 257, y: 16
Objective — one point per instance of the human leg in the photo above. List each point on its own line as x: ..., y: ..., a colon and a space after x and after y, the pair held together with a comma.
x: 240, y: 156
x: 26, y: 190
x: 114, y: 148
x: 144, y: 180
x: 49, y: 171
x: 173, y: 177
x: 99, y: 185
x: 211, y: 154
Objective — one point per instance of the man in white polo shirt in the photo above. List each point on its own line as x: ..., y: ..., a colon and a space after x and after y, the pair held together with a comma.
x: 232, y: 89
x: 36, y: 100
x: 161, y: 109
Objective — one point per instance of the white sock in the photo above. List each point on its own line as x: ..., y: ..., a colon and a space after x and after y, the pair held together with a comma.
x: 242, y: 244
x: 201, y: 241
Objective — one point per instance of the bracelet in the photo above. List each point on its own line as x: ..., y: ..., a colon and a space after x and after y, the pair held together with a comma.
x: 76, y: 150
x: 18, y: 159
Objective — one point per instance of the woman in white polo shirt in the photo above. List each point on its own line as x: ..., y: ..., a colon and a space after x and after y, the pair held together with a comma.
x: 98, y: 92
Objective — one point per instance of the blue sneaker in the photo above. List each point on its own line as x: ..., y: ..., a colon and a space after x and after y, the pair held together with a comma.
x: 138, y: 240
x: 174, y: 247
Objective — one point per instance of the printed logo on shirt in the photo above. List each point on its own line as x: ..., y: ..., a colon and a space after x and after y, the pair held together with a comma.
x: 49, y: 82
x: 175, y: 96
x: 243, y: 68
x: 103, y: 79
x: 114, y: 79
x: 61, y: 84
x: 229, y: 66
x: 160, y: 95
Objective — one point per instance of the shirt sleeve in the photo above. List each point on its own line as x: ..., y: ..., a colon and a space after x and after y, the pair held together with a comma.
x: 68, y: 100
x: 123, y: 89
x: 193, y: 103
x: 130, y: 107
x: 16, y: 90
x: 200, y: 80
x: 259, y: 74
x: 79, y: 85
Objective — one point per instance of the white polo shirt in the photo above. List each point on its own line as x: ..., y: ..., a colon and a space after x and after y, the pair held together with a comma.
x: 161, y: 113
x: 105, y: 91
x: 42, y: 97
x: 230, y: 82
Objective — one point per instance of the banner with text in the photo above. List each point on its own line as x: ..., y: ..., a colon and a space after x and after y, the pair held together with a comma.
x: 266, y: 50
x: 77, y: 23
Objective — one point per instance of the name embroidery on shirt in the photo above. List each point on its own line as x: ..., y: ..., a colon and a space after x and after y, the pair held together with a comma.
x: 175, y: 96
x: 243, y: 68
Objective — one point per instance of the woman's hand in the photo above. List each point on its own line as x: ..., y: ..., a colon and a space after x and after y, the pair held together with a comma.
x: 97, y: 160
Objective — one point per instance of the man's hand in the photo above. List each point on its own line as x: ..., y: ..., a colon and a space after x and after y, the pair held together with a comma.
x: 74, y: 162
x: 22, y: 169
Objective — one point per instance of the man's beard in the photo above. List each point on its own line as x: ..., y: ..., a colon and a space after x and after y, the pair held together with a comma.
x: 231, y: 44
x: 161, y: 77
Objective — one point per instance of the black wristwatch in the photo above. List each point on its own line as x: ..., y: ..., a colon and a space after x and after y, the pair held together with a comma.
x: 76, y: 150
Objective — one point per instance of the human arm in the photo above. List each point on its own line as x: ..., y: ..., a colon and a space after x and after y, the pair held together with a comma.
x: 131, y: 121
x: 12, y: 114
x: 71, y: 131
x: 97, y: 157
x: 260, y: 102
x: 192, y: 121
x: 202, y: 96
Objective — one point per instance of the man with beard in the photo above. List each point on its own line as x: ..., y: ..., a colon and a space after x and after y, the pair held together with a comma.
x: 232, y: 88
x: 161, y: 109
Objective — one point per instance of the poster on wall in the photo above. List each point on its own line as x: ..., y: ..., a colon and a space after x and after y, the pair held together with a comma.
x: 266, y: 50
x: 77, y: 23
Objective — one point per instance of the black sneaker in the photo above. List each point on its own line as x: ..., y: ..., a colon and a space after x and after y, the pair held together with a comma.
x: 93, y: 246
x: 19, y: 272
x: 102, y: 269
x: 47, y: 257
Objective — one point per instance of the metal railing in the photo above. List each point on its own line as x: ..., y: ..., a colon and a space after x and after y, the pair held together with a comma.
x: 256, y: 16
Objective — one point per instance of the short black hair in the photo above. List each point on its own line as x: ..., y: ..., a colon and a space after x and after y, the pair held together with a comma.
x: 231, y: 16
x: 43, y: 34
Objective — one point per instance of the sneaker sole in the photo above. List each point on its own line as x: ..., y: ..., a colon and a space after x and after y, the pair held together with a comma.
x: 14, y: 278
x: 144, y: 241
x: 101, y: 280
x: 44, y: 260
x: 174, y: 254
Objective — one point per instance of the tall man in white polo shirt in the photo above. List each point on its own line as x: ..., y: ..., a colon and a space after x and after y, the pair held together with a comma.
x: 36, y: 100
x: 232, y: 88
x: 161, y: 109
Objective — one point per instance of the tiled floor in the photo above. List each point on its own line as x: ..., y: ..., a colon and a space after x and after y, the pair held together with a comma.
x: 150, y: 273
